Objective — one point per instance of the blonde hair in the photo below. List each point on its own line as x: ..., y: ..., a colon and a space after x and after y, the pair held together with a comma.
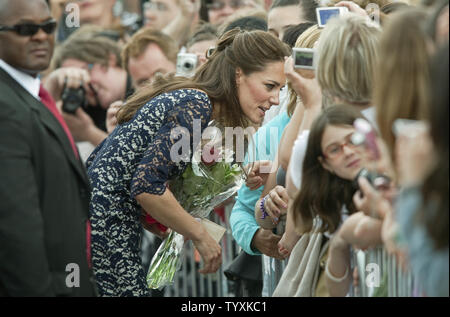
x: 347, y: 57
x: 306, y: 40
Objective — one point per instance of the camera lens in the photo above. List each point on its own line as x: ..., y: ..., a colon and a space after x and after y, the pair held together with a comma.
x: 188, y: 66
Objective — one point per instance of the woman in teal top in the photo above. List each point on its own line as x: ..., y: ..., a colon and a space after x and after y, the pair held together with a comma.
x: 242, y: 220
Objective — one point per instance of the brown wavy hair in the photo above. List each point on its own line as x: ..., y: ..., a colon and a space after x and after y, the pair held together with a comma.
x: 322, y: 193
x: 402, y: 75
x: 249, y: 51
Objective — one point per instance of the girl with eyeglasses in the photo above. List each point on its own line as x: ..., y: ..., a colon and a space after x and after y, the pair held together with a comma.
x: 332, y: 162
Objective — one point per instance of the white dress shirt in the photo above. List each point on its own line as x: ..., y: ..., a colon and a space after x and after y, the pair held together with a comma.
x: 30, y: 83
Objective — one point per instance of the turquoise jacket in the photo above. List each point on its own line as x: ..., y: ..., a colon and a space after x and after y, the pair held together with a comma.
x: 242, y: 219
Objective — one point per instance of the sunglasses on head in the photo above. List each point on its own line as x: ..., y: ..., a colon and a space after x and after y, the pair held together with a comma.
x: 30, y: 29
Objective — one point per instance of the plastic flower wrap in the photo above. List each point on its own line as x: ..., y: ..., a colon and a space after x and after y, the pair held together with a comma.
x: 211, y: 178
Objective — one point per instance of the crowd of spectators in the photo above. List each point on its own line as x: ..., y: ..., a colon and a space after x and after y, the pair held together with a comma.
x: 67, y: 89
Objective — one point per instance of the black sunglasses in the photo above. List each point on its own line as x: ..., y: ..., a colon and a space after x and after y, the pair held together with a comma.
x: 28, y: 29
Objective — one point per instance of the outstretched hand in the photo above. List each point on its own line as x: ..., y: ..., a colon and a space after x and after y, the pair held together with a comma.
x: 189, y: 8
x: 308, y: 89
x: 210, y: 252
x: 258, y: 174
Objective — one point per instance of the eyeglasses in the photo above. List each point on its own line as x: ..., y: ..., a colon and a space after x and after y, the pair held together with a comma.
x: 29, y: 29
x: 219, y: 5
x: 336, y: 150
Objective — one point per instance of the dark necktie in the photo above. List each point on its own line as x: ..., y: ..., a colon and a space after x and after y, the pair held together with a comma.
x: 48, y: 101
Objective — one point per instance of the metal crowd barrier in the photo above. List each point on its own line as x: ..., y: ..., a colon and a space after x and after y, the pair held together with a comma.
x: 273, y: 268
x: 380, y: 275
x: 189, y: 283
x: 272, y: 271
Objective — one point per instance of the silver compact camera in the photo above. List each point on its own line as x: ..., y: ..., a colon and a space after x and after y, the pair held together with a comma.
x: 186, y: 64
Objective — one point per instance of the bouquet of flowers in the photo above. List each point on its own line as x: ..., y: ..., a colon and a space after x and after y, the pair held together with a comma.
x: 210, y: 179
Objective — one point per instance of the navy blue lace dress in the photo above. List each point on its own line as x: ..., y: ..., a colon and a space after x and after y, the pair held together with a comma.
x: 135, y: 159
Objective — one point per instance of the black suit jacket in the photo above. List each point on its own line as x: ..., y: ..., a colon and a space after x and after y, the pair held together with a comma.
x: 44, y: 201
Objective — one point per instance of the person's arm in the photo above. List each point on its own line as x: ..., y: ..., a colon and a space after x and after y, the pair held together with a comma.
x: 274, y: 204
x: 247, y: 233
x: 294, y: 172
x: 309, y: 92
x: 180, y: 27
x: 268, y: 186
x: 83, y: 127
x: 290, y: 135
x: 242, y: 221
x: 266, y: 242
x: 361, y: 232
x: 291, y: 188
x: 157, y: 166
x: 338, y: 277
x: 80, y: 123
x: 295, y: 166
x: 24, y: 268
x: 259, y: 174
x: 166, y: 210
x: 290, y: 236
x: 70, y: 77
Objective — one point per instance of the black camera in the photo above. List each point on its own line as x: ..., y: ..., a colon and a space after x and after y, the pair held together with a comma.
x: 73, y: 98
x: 378, y: 181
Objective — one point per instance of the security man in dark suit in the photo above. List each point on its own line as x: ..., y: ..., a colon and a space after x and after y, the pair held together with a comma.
x: 44, y: 190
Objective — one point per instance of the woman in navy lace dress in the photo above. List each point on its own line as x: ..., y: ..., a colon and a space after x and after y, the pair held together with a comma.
x: 130, y: 169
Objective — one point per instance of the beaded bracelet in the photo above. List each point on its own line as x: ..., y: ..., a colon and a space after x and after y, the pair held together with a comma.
x: 264, y: 213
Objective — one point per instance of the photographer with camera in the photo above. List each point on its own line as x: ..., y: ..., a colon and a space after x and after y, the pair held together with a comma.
x: 71, y: 84
x: 87, y: 79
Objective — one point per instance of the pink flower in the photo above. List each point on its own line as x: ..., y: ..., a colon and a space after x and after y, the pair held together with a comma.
x: 210, y: 155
